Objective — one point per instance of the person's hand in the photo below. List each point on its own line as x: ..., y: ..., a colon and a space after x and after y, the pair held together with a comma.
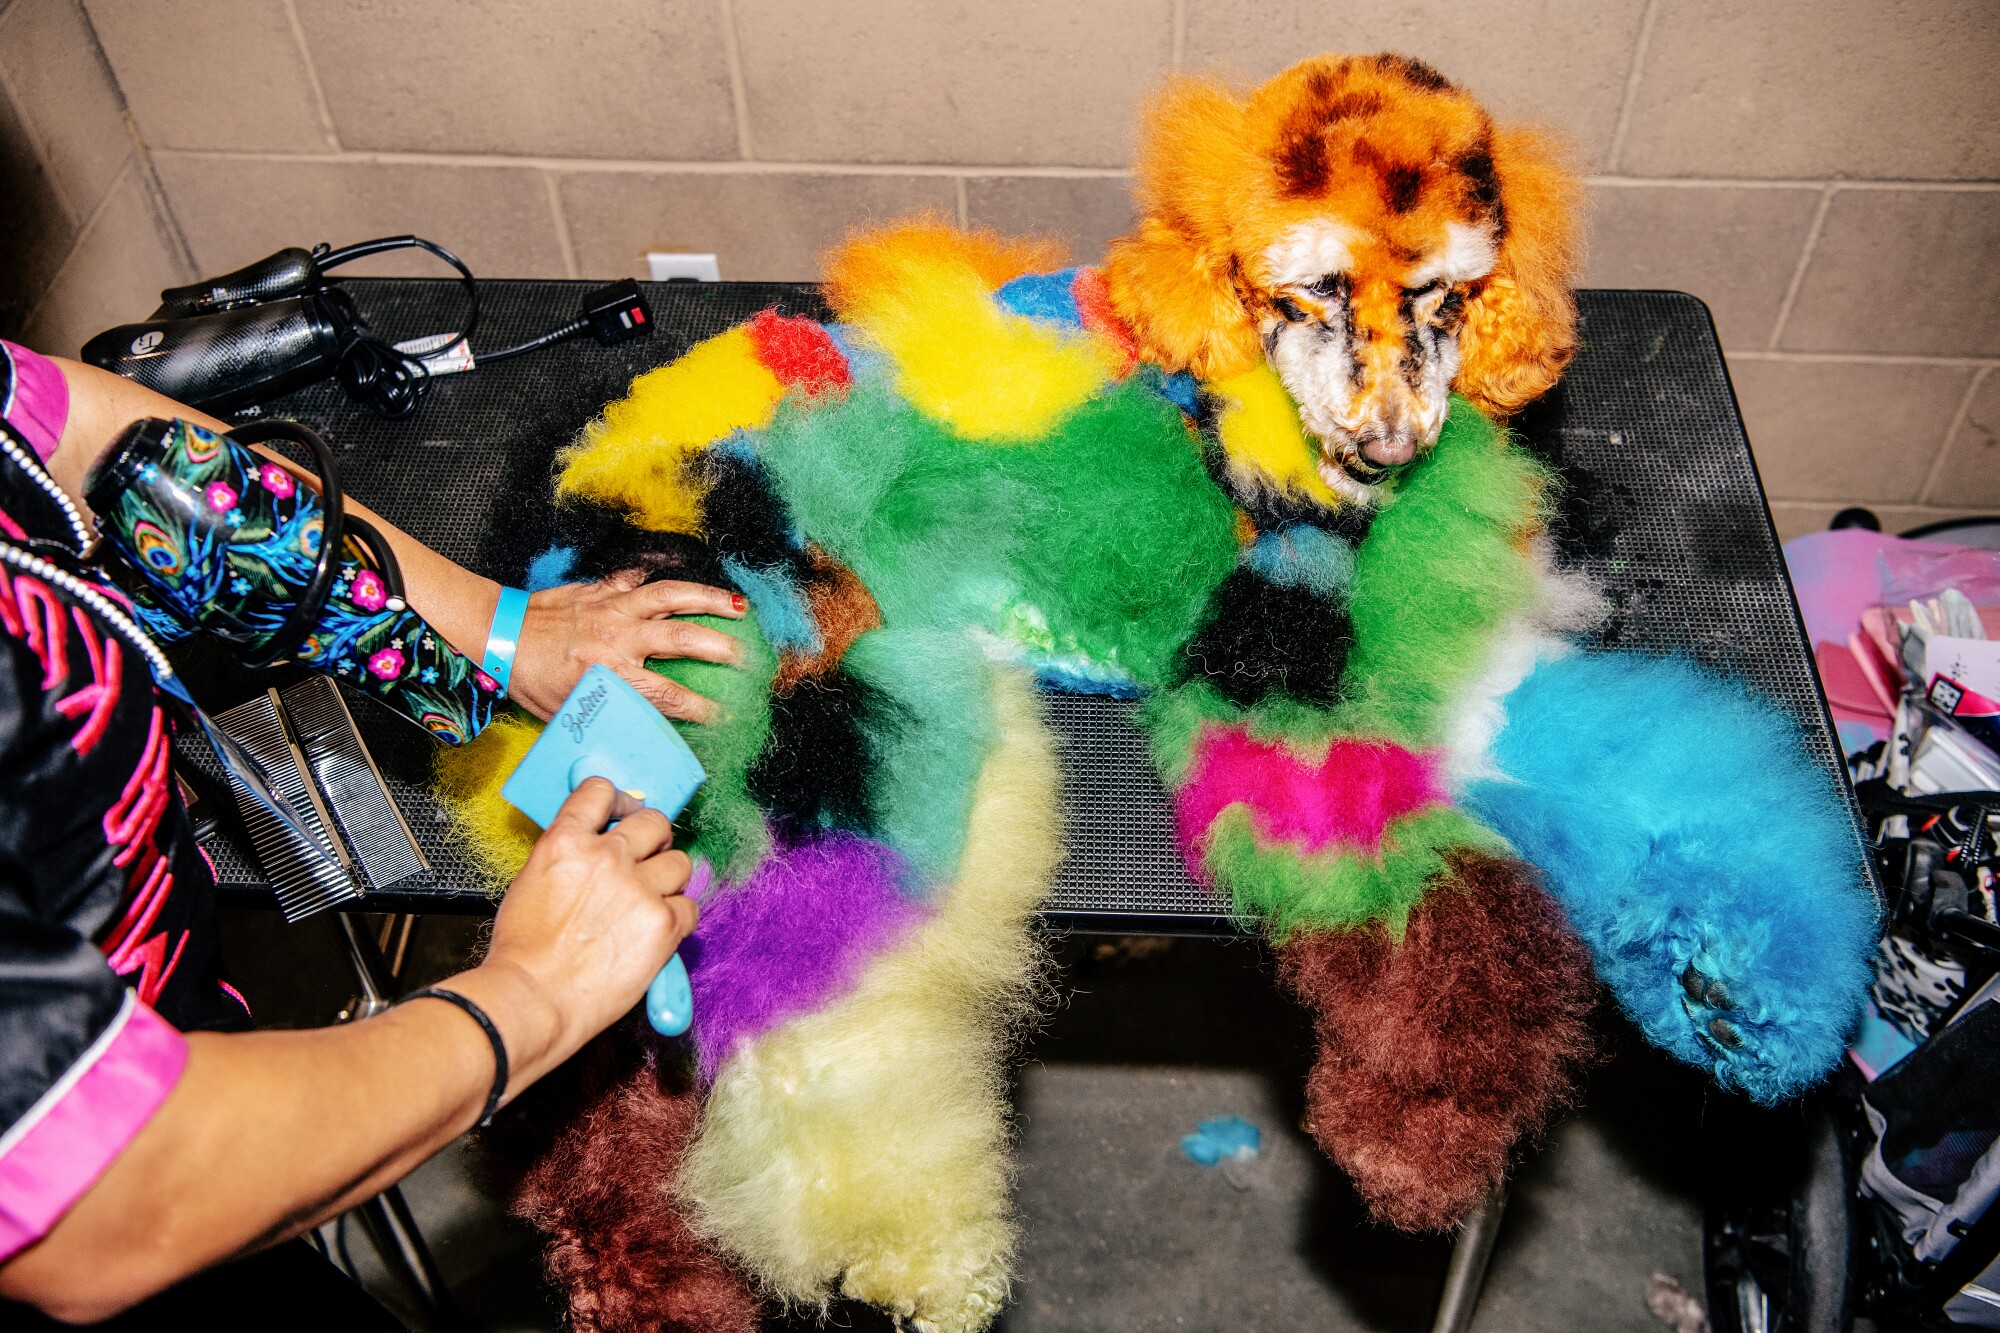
x: 620, y: 622
x: 589, y: 921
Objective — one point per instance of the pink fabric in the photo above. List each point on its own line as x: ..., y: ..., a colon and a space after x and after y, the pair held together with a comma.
x: 1349, y: 798
x: 1839, y: 575
x: 103, y: 1102
x: 1847, y: 687
x: 39, y: 405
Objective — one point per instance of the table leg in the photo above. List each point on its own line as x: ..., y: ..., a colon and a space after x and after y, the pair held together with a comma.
x: 1469, y: 1255
x: 390, y: 1228
x: 371, y: 970
x: 386, y: 1218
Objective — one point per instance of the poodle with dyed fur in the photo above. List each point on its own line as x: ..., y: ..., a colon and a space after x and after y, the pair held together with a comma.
x: 1250, y: 474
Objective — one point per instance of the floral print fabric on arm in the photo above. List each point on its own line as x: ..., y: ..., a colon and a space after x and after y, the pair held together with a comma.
x: 217, y: 538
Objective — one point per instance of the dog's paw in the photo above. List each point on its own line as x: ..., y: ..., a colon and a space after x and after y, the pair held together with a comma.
x: 1706, y: 1001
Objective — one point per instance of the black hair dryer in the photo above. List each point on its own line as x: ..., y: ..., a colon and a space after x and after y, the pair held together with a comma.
x: 250, y: 336
x: 242, y: 338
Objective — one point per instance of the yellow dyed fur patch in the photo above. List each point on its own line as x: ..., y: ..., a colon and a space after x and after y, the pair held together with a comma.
x: 632, y: 455
x: 862, y: 1148
x: 495, y: 835
x: 1263, y: 440
x: 923, y: 295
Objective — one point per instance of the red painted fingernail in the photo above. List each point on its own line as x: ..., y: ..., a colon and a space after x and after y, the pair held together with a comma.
x: 736, y: 600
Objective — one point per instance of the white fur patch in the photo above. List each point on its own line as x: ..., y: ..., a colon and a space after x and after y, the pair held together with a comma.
x: 1566, y: 604
x: 1482, y: 714
x: 1308, y: 252
x: 1318, y: 372
x: 1469, y: 252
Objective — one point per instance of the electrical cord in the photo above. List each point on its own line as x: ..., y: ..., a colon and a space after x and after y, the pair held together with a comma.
x: 554, y: 335
x: 392, y: 382
x: 388, y: 381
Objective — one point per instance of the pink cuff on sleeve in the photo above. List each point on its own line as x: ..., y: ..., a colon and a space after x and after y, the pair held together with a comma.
x: 55, y: 1152
x: 39, y: 405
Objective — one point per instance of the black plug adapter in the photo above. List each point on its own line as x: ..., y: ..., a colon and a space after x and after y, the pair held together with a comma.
x: 618, y: 312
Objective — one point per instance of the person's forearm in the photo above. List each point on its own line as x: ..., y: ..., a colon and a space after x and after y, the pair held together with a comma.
x: 457, y: 602
x: 270, y: 1133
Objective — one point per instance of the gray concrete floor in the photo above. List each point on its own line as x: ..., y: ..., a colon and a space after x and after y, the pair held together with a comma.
x: 1123, y: 1233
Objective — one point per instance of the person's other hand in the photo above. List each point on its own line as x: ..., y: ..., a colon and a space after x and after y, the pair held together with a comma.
x: 620, y: 622
x: 595, y: 913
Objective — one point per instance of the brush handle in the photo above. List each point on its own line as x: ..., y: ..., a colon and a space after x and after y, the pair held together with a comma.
x: 670, y: 1000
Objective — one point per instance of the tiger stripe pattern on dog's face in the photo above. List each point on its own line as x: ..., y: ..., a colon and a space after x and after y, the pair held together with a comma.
x: 1359, y: 306
x: 1360, y: 224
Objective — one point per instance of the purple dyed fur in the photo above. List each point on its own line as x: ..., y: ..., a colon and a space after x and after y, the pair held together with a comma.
x: 793, y: 936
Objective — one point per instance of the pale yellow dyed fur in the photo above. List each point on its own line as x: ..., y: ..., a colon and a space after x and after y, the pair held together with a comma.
x: 862, y: 1149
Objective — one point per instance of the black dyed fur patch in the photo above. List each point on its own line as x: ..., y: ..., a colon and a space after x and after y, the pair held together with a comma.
x: 812, y: 773
x: 743, y: 514
x: 1268, y: 508
x: 1402, y: 187
x: 1261, y: 639
x: 1417, y: 74
x: 605, y: 541
x: 1301, y: 162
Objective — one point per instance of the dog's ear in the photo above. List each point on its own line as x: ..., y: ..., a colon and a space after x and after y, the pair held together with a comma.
x: 1520, y: 330
x: 1181, y: 303
x: 1173, y: 281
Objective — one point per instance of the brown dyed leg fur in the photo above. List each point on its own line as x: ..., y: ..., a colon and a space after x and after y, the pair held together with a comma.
x: 602, y: 1137
x: 1440, y: 1053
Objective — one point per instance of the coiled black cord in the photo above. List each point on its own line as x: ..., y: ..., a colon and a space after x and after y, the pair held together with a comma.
x: 389, y: 382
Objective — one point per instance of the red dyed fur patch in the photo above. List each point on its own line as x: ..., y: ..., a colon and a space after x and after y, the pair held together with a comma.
x: 1439, y: 1054
x: 1347, y: 799
x: 1093, y: 304
x: 799, y: 352
x: 596, y: 1187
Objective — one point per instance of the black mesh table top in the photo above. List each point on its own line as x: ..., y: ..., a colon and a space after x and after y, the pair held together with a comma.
x: 1661, y: 504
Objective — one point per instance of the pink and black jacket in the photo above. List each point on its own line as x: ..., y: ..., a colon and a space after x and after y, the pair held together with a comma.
x: 107, y: 931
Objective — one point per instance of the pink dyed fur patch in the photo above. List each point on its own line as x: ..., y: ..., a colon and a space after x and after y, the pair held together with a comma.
x: 1347, y: 799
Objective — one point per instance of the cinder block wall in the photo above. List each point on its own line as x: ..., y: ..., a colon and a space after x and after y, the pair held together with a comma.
x: 1824, y: 173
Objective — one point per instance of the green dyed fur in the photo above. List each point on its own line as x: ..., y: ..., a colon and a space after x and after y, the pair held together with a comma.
x: 727, y: 824
x: 1441, y: 569
x: 927, y: 754
x: 1108, y: 527
x: 1293, y: 889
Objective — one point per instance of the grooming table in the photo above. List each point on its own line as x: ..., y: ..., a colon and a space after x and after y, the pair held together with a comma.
x: 1661, y: 504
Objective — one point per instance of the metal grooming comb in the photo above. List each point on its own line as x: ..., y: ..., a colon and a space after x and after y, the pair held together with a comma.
x: 306, y: 740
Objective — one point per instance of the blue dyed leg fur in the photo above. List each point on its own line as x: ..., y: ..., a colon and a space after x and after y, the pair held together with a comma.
x: 1699, y: 853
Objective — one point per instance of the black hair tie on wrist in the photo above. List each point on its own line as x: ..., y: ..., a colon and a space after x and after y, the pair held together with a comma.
x: 492, y: 1037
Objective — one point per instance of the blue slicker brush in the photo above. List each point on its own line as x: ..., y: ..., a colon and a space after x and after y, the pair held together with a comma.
x: 607, y: 729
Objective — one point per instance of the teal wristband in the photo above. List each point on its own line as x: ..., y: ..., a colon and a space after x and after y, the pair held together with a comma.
x: 505, y: 635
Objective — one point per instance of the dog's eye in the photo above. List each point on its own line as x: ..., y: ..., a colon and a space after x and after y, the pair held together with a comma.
x: 1290, y: 310
x: 1331, y: 287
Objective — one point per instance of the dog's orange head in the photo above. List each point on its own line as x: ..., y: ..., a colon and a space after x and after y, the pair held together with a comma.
x: 1361, y: 224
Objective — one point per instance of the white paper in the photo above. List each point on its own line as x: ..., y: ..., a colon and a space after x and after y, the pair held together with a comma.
x: 1973, y: 664
x: 455, y: 356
